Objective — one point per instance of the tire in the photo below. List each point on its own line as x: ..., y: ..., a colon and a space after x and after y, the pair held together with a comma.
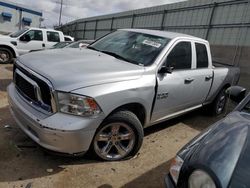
x: 119, y: 137
x: 6, y: 56
x: 218, y: 105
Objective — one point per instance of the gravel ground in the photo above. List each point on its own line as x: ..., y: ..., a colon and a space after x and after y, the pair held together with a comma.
x: 25, y: 164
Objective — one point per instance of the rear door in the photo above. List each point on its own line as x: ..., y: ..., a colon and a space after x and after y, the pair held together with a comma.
x: 175, y: 90
x: 53, y: 37
x: 202, y: 73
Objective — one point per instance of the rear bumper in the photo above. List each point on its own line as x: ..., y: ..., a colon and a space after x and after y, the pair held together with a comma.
x: 168, y: 182
x: 57, y: 132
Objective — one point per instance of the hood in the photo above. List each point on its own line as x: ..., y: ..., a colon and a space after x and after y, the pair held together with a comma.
x: 6, y: 38
x: 70, y: 69
x: 219, y: 147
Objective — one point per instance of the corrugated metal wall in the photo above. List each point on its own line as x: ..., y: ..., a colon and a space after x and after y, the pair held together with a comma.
x: 222, y: 22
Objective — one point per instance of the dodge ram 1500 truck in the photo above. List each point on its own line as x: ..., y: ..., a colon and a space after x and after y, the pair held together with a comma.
x: 100, y: 98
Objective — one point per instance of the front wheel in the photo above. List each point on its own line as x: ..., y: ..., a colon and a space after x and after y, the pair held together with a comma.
x: 5, y: 56
x: 119, y: 137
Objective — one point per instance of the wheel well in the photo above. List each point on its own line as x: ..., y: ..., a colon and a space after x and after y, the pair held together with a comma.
x: 226, y: 86
x: 136, y: 108
x: 9, y: 48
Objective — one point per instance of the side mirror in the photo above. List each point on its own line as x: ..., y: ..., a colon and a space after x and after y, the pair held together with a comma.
x: 25, y: 38
x: 165, y: 69
x: 236, y: 93
x: 82, y: 45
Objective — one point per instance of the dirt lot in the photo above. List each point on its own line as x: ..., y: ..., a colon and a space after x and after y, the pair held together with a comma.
x: 24, y: 164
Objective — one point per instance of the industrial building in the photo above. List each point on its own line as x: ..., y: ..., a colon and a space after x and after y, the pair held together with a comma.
x: 224, y: 23
x: 14, y: 17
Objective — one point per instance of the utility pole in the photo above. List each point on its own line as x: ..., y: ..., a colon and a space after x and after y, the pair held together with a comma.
x: 60, y: 16
x: 20, y: 19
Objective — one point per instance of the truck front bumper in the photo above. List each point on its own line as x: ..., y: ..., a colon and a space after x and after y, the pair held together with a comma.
x: 57, y: 132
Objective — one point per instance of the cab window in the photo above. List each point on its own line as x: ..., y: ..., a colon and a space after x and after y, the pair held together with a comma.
x: 180, y: 57
x: 201, y: 55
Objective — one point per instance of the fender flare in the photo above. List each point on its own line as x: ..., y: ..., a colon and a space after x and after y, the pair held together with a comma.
x: 11, y: 47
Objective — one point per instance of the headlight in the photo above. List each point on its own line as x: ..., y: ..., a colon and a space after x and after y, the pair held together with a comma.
x: 200, y: 178
x: 175, y: 168
x: 77, y: 104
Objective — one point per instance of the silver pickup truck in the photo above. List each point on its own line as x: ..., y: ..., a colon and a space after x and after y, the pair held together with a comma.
x: 100, y: 98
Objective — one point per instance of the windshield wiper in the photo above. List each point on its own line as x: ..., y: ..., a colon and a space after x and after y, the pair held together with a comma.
x: 118, y: 56
x: 92, y: 48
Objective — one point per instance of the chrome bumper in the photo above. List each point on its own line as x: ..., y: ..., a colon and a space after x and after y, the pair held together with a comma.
x: 58, y: 132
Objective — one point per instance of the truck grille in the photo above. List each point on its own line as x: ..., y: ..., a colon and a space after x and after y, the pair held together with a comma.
x: 32, y: 88
x: 25, y: 87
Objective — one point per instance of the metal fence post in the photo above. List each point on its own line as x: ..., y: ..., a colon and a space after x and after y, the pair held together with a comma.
x: 163, y: 19
x: 210, y: 20
x: 112, y: 21
x: 84, y: 29
x: 133, y: 19
x: 76, y: 30
x: 95, y: 29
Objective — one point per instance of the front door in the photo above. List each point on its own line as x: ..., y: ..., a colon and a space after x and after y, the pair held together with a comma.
x: 31, y: 40
x: 175, y: 89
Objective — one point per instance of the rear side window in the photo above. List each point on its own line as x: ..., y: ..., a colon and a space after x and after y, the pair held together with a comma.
x: 181, y: 56
x: 53, y: 36
x: 201, y: 55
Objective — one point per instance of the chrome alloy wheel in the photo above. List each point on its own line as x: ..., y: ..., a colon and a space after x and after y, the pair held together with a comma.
x: 114, y: 141
x: 221, y: 103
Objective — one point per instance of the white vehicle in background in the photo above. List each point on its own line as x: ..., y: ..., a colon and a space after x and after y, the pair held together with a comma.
x: 7, y: 52
x: 69, y: 38
x: 26, y: 40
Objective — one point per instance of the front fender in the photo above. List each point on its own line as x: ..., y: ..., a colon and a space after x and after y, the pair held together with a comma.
x: 11, y: 46
x: 113, y: 95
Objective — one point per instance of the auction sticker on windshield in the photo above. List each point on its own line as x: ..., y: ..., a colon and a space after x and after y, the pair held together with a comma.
x: 151, y: 43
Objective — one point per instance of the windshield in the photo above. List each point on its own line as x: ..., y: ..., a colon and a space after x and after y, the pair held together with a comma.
x: 138, y: 48
x: 247, y: 108
x: 18, y: 33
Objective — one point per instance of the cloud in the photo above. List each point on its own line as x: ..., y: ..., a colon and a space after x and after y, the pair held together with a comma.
x: 74, y: 9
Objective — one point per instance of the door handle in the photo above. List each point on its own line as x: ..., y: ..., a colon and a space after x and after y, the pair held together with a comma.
x: 43, y: 45
x: 188, y: 80
x: 207, y: 78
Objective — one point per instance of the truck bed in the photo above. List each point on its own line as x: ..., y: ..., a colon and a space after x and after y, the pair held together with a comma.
x: 219, y: 80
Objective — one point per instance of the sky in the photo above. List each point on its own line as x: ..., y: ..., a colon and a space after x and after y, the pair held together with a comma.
x: 75, y: 9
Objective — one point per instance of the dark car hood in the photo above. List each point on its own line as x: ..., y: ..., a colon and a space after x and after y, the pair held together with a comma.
x: 69, y: 69
x: 219, y: 147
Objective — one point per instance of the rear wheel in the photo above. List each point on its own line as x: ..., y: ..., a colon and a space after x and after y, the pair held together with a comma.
x: 219, y: 103
x: 119, y: 137
x: 5, y: 56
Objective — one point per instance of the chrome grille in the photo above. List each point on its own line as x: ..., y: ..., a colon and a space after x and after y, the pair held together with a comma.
x: 25, y: 87
x: 33, y: 88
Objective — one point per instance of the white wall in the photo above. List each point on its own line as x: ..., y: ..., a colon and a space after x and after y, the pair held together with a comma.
x: 13, y: 24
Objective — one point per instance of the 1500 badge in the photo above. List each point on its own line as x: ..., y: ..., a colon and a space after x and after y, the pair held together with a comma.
x: 162, y: 96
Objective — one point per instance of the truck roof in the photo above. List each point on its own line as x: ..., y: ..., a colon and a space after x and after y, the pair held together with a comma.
x: 166, y: 34
x: 42, y: 29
